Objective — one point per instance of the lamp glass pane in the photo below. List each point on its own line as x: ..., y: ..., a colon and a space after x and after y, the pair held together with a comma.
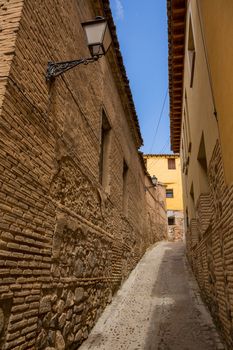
x: 94, y: 32
x: 107, y: 39
x: 96, y: 50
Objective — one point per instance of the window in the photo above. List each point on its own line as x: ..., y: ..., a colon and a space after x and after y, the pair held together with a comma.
x: 203, y: 168
x: 171, y: 163
x: 183, y: 157
x: 169, y: 193
x: 191, y: 52
x: 186, y: 114
x: 104, y: 152
x: 185, y: 142
x: 187, y: 218
x: 192, y: 192
x: 186, y: 132
x: 171, y: 221
x: 125, y: 187
x: 192, y: 200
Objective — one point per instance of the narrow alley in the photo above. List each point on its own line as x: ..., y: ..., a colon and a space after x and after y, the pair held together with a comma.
x: 158, y: 308
x: 116, y: 175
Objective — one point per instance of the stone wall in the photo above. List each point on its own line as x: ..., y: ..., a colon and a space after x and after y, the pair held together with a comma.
x: 10, y: 14
x: 66, y: 243
x: 210, y: 246
x: 176, y: 231
x: 156, y: 211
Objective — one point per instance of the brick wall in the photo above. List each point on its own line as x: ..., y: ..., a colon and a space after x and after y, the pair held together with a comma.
x: 210, y: 247
x: 65, y: 244
x: 10, y: 14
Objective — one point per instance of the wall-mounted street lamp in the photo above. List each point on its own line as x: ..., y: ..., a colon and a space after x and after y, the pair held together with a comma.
x: 154, y: 182
x: 98, y: 40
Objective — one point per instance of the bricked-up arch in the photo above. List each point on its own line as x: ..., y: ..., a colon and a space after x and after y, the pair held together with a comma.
x: 176, y: 10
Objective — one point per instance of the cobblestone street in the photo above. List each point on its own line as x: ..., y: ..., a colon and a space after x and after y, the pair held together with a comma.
x: 158, y: 307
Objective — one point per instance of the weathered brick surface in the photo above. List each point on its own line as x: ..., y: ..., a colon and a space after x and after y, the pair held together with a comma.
x: 65, y: 243
x: 10, y: 14
x: 210, y: 247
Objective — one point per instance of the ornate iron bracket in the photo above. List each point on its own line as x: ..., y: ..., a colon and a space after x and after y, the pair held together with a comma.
x: 57, y: 68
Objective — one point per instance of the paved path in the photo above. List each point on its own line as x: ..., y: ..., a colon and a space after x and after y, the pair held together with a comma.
x: 157, y: 308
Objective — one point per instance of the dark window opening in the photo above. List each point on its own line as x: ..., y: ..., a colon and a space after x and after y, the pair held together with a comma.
x: 187, y: 218
x: 192, y: 201
x: 169, y: 193
x: 191, y: 52
x: 203, y: 168
x: 171, y: 221
x: 104, y: 151
x: 171, y: 163
x: 188, y: 122
x: 192, y: 192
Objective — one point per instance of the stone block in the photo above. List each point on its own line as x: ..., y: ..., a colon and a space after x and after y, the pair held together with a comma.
x: 59, y: 341
x: 45, y: 304
x: 79, y: 268
x: 54, y: 321
x: 41, y: 339
x: 78, y: 336
x: 69, y: 299
x: 51, y: 337
x: 62, y: 320
x: 60, y: 306
x: 79, y: 294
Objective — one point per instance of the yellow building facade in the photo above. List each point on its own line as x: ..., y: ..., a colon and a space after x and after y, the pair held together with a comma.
x: 167, y: 169
x: 201, y: 109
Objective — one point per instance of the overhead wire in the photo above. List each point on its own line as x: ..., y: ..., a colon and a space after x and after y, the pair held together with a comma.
x: 161, y: 151
x: 165, y: 145
x: 160, y: 118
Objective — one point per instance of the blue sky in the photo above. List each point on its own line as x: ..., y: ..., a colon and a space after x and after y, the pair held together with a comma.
x: 142, y: 33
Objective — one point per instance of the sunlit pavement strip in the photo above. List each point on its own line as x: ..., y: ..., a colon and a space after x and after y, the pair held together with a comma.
x: 158, y: 307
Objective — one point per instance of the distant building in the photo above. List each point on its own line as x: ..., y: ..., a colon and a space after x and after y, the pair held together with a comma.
x: 156, y: 224
x: 166, y: 167
x: 201, y: 113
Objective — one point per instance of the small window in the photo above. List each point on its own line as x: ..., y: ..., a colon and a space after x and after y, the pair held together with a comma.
x: 203, y: 167
x: 171, y: 163
x: 192, y: 193
x: 192, y: 202
x: 186, y: 110
x: 191, y: 52
x: 104, y: 152
x: 169, y: 193
x: 171, y: 221
x: 187, y: 218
